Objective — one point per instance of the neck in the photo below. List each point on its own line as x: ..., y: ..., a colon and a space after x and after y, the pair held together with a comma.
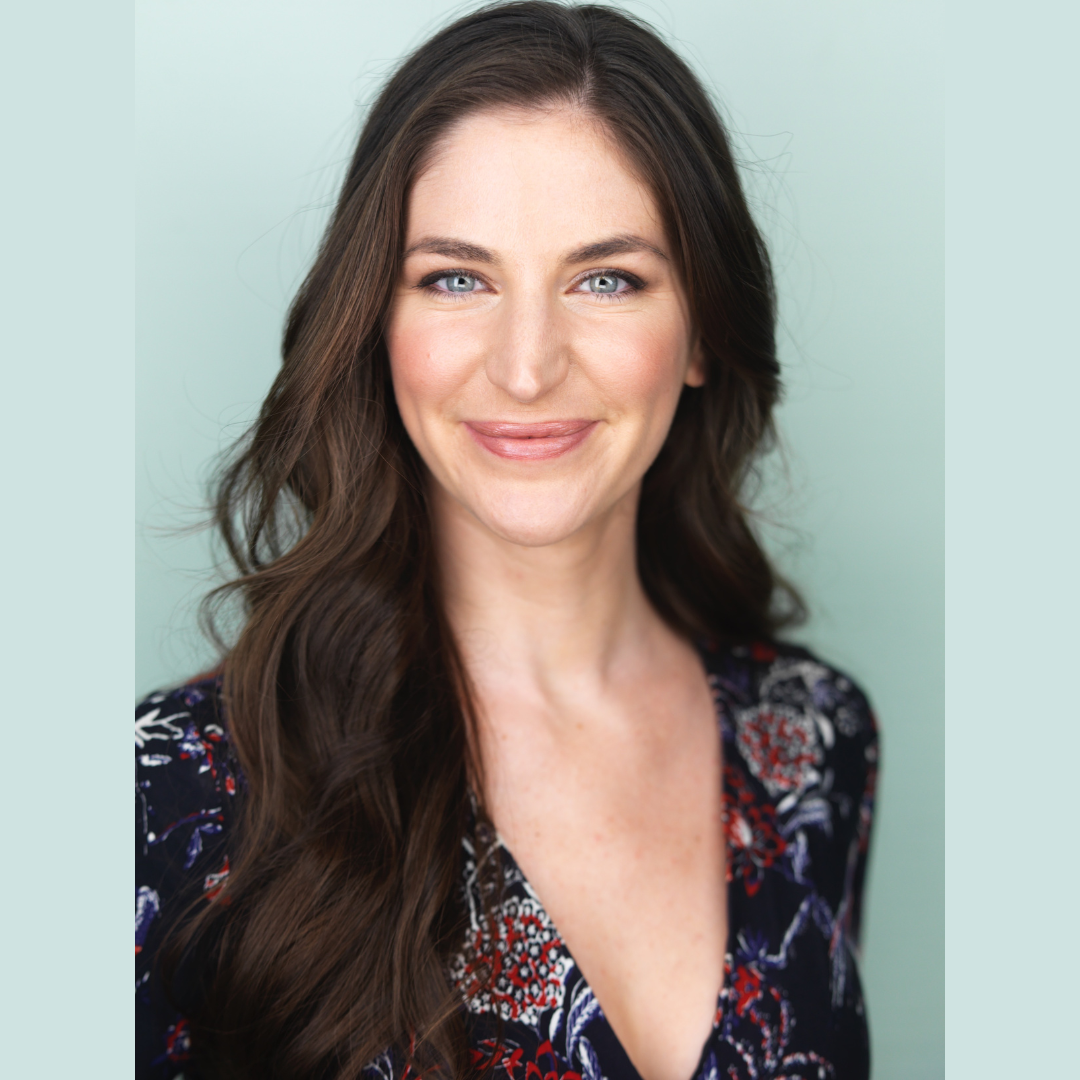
x: 546, y: 614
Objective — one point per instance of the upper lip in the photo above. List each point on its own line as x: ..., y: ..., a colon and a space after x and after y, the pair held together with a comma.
x: 545, y: 429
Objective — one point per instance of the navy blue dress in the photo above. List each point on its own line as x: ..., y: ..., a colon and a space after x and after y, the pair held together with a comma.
x: 800, y: 758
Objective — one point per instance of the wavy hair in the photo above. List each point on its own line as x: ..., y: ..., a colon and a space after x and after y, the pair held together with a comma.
x: 344, y: 692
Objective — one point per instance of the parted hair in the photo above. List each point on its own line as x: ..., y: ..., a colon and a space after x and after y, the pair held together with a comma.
x: 344, y: 695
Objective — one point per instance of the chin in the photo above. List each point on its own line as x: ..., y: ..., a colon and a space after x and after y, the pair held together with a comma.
x: 533, y: 519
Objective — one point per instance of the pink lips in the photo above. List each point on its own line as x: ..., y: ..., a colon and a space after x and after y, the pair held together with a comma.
x: 530, y: 442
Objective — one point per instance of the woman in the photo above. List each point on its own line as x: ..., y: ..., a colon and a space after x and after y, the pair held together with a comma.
x: 506, y: 771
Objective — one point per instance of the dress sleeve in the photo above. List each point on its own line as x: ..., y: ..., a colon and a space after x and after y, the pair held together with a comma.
x: 866, y: 751
x: 184, y: 789
x: 808, y: 736
x: 847, y: 768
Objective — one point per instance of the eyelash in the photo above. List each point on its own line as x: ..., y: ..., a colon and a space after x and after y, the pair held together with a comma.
x: 634, y: 283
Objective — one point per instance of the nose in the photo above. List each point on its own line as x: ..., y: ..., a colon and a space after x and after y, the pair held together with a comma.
x: 529, y: 356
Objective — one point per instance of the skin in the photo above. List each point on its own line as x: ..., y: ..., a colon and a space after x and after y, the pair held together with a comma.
x: 598, y: 738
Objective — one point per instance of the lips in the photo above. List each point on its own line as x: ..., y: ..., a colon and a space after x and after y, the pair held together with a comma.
x: 530, y: 442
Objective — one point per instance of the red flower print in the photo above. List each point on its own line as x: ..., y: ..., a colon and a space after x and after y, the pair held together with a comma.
x: 214, y: 883
x: 780, y: 746
x: 523, y: 972
x: 747, y: 987
x: 178, y: 1041
x: 545, y: 1066
x: 753, y: 844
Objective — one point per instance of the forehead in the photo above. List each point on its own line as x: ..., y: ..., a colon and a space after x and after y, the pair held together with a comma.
x: 546, y: 179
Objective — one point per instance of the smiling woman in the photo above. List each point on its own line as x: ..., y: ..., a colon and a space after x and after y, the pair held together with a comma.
x: 502, y: 596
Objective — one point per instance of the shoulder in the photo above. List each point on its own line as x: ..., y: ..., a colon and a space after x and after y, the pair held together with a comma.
x: 182, y: 747
x: 186, y: 782
x: 796, y: 721
x: 167, y: 722
x: 800, y: 771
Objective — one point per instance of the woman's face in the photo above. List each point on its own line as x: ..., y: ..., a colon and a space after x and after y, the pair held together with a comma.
x: 539, y: 337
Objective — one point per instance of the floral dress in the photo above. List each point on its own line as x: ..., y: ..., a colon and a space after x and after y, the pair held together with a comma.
x: 800, y: 759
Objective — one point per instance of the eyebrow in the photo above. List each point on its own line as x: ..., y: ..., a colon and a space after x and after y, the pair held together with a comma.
x: 450, y: 248
x: 615, y: 245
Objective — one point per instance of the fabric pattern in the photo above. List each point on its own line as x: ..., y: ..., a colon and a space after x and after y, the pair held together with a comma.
x: 800, y: 760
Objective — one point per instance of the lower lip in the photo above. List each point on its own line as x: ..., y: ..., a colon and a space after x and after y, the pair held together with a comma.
x: 532, y: 442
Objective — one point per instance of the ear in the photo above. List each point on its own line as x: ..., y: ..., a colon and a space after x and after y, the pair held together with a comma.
x: 695, y: 372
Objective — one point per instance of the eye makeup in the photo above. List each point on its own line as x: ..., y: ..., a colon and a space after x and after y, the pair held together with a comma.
x: 429, y: 281
x: 633, y: 283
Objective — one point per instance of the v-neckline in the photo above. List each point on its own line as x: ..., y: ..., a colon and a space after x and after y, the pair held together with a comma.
x: 728, y: 797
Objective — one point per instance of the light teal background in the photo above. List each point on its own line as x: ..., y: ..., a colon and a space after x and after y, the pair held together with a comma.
x: 66, y: 589
x: 246, y: 113
x: 1012, y: 540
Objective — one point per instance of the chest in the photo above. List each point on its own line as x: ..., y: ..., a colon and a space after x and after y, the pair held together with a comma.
x: 618, y: 828
x: 643, y: 817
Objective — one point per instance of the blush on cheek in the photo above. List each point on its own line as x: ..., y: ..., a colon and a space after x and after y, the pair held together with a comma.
x: 643, y: 370
x: 425, y: 362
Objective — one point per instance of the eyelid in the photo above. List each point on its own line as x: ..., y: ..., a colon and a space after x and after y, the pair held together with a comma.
x: 437, y: 275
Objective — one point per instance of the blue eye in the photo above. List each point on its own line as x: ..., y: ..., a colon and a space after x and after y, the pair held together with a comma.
x: 458, y: 283
x: 603, y: 283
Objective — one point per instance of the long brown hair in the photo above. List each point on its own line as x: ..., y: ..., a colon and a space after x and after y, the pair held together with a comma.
x: 343, y: 691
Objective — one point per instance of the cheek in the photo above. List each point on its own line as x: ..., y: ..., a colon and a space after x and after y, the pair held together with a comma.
x: 641, y: 366
x: 428, y: 363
